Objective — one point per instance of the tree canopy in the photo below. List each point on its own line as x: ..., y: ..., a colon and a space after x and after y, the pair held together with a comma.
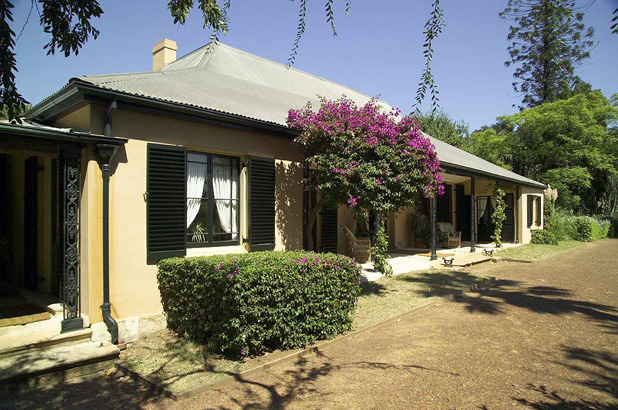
x: 548, y: 40
x: 572, y: 145
x: 440, y: 125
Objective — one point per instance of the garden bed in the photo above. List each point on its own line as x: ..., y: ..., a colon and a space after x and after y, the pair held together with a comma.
x: 178, y: 365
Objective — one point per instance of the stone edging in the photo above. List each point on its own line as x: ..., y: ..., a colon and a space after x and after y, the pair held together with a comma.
x: 156, y: 388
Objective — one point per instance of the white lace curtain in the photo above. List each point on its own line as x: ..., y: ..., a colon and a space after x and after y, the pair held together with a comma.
x: 224, y: 185
x: 482, y: 205
x: 196, y: 178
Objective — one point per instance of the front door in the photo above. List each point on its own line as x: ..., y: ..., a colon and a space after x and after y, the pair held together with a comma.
x: 508, y: 228
x: 31, y: 223
x: 484, y: 211
x: 463, y: 213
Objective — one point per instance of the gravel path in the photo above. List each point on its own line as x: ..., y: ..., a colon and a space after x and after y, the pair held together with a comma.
x: 545, y: 337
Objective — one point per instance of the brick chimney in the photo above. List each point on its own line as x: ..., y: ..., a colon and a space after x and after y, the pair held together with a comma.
x: 163, y: 53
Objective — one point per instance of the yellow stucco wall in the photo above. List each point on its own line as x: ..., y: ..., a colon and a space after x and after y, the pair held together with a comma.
x: 133, y: 285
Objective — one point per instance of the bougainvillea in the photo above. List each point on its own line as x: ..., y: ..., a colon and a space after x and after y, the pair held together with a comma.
x: 364, y: 157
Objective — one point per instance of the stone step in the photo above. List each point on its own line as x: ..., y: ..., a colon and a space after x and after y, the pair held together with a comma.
x: 55, y: 365
x: 39, y: 335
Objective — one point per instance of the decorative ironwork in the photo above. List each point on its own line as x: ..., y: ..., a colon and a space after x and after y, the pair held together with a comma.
x: 70, y: 286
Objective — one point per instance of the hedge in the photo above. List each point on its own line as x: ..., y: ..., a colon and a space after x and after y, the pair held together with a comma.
x: 247, y: 304
x: 577, y: 227
x: 544, y: 237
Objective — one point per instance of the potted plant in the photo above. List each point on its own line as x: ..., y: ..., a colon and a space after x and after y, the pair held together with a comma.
x: 419, y: 228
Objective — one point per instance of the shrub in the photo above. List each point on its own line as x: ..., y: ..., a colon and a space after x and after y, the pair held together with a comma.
x: 247, y: 304
x: 563, y: 225
x: 544, y: 237
x: 590, y: 229
x: 600, y: 229
x: 578, y: 228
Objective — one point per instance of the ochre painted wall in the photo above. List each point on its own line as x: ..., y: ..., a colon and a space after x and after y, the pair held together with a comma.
x: 133, y: 284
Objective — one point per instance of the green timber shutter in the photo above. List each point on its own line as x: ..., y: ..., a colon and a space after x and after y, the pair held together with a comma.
x: 329, y: 230
x: 166, y: 209
x: 261, y: 204
x: 539, y: 210
x: 530, y: 210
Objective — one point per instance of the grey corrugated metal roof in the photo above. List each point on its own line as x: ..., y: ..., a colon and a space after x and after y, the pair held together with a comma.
x: 226, y: 79
x: 223, y: 78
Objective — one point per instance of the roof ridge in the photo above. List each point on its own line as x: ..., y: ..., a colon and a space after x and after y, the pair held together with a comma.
x: 188, y: 54
x: 295, y: 69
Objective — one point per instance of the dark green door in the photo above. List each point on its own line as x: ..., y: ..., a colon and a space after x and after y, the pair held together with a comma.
x: 30, y: 223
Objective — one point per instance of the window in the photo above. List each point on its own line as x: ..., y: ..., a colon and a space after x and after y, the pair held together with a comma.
x: 192, y: 200
x: 212, y: 199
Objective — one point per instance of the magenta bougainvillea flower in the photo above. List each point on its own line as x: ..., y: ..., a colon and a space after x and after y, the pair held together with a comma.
x: 364, y: 157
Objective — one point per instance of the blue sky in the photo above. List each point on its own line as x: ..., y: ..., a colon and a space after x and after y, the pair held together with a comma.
x: 378, y: 49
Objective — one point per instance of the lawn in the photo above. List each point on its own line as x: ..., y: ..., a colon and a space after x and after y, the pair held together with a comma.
x: 532, y: 252
x: 179, y: 365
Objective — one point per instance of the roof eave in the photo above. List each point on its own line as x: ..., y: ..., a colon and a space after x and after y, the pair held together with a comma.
x: 77, y: 91
x: 466, y: 171
x: 59, y: 135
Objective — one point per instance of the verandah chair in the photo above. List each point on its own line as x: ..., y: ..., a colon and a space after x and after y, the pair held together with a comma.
x: 453, y: 239
x: 360, y: 247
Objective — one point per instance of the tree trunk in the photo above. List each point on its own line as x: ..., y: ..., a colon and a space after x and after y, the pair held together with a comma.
x: 310, y: 222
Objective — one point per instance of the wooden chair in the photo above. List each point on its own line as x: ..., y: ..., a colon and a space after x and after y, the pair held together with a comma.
x: 453, y: 239
x: 360, y: 247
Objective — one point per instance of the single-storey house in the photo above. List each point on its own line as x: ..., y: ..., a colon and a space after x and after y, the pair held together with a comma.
x: 114, y: 172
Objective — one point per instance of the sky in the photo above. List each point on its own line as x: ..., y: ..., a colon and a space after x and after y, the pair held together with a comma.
x: 378, y: 49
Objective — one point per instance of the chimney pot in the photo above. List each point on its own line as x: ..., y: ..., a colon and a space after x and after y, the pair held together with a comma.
x: 163, y: 53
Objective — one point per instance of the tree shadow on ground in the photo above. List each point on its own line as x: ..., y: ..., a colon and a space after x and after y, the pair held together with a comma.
x: 441, y: 283
x: 538, y: 299
x: 98, y: 391
x: 301, y: 382
x: 373, y: 288
x: 599, y: 372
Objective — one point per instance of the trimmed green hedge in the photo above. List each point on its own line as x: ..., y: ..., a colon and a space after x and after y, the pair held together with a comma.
x: 544, y: 237
x: 247, y: 304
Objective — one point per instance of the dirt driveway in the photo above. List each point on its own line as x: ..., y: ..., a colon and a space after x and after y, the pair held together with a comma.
x: 545, y: 337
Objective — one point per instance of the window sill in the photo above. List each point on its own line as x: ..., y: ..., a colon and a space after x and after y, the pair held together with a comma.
x: 215, y: 250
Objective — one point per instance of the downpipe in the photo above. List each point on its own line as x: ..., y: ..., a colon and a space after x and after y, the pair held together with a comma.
x: 106, y: 153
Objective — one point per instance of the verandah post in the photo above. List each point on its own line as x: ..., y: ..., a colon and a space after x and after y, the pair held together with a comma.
x: 472, y: 215
x: 434, y: 226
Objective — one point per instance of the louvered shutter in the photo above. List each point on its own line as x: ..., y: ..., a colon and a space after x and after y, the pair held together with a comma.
x: 539, y: 211
x: 329, y: 230
x: 166, y: 202
x: 261, y: 204
x: 530, y: 210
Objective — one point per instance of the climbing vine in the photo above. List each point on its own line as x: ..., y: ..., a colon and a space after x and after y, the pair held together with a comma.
x: 498, y: 217
x: 380, y: 246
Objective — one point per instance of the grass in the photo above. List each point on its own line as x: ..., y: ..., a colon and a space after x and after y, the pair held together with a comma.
x: 180, y: 365
x: 389, y: 297
x: 533, y: 252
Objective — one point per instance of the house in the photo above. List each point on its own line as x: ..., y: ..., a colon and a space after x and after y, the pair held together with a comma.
x: 194, y: 158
